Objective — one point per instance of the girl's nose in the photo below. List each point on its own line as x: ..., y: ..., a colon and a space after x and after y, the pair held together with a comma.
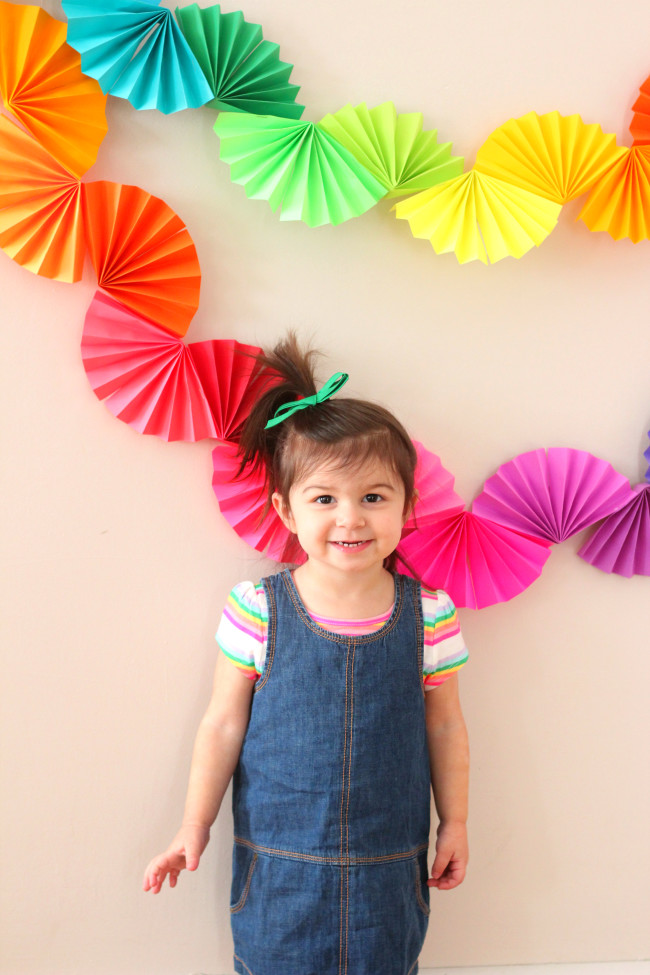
x: 349, y: 515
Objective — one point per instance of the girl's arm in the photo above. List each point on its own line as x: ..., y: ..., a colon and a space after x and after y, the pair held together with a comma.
x: 449, y: 761
x: 216, y: 753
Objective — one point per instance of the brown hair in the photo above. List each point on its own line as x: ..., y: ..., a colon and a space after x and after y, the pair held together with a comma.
x: 346, y: 431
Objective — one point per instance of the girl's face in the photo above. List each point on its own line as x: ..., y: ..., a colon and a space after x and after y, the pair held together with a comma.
x: 349, y: 521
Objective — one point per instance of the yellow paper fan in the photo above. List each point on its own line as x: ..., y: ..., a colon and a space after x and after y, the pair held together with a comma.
x: 557, y: 156
x: 42, y: 85
x: 479, y: 217
x: 41, y: 226
x: 619, y: 203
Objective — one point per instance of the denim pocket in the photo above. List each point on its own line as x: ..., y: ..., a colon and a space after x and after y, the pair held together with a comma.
x: 243, y: 867
x: 421, y: 888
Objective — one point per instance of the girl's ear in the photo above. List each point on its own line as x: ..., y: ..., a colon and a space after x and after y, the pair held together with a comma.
x: 283, y: 511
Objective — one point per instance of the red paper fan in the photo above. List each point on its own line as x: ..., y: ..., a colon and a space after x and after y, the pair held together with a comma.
x: 41, y: 226
x: 640, y: 124
x: 476, y: 561
x: 552, y: 494
x: 242, y: 500
x: 158, y: 385
x: 435, y: 486
x: 142, y: 253
x: 621, y: 544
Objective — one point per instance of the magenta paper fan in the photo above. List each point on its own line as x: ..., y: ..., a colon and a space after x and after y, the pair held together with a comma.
x: 242, y: 499
x: 158, y: 385
x: 621, y: 544
x: 476, y: 561
x: 552, y: 494
x: 435, y: 486
x: 646, y: 454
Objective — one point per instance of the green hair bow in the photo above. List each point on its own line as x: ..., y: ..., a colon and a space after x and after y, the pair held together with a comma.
x: 288, y: 409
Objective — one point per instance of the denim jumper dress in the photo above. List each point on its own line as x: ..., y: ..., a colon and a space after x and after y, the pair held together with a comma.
x: 331, y: 797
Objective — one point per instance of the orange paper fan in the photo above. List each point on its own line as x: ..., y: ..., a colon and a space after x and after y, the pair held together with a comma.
x: 640, y: 124
x: 142, y: 253
x: 41, y: 226
x: 620, y: 201
x: 42, y: 85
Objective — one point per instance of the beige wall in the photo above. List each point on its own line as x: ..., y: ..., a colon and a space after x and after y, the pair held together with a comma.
x: 118, y: 561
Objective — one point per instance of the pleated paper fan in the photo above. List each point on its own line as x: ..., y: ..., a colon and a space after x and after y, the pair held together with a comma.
x: 557, y: 156
x: 479, y: 217
x: 393, y: 147
x: 646, y: 454
x: 136, y: 50
x: 296, y: 167
x: 621, y: 544
x: 552, y: 494
x: 243, y: 70
x: 160, y: 386
x: 42, y: 85
x: 619, y: 203
x: 41, y: 225
x: 435, y: 486
x: 640, y: 125
x: 241, y: 501
x: 142, y: 253
x: 477, y: 562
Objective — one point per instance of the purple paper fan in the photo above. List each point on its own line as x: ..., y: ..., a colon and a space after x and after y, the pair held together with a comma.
x: 622, y: 543
x: 646, y: 454
x: 552, y: 494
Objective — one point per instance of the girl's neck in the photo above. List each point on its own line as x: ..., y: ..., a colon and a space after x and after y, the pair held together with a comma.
x: 344, y: 598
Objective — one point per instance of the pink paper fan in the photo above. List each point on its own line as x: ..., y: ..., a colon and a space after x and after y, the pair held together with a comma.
x: 646, y: 454
x: 552, y: 494
x: 242, y: 499
x: 476, y: 561
x: 158, y: 385
x: 435, y: 486
x: 622, y: 543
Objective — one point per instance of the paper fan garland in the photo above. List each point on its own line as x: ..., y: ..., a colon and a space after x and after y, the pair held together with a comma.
x: 296, y: 167
x: 557, y: 156
x: 142, y: 253
x: 621, y: 544
x: 41, y: 225
x: 244, y: 71
x: 242, y: 500
x: 640, y: 125
x: 479, y: 217
x: 136, y: 50
x: 160, y: 386
x: 393, y: 147
x: 435, y: 487
x: 619, y: 202
x: 42, y: 85
x: 552, y: 494
x: 477, y: 562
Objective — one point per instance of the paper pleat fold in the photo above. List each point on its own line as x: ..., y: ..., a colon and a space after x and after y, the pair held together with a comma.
x: 142, y: 253
x: 640, y: 125
x: 621, y: 543
x: 619, y: 203
x: 42, y: 85
x: 479, y: 217
x: 297, y: 167
x: 41, y: 225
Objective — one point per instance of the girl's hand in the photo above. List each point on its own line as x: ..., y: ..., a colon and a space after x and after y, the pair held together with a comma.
x: 452, y: 854
x: 184, y: 852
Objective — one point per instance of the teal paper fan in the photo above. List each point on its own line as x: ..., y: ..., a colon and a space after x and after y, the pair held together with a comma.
x: 135, y: 50
x: 297, y: 167
x: 393, y: 147
x: 244, y: 71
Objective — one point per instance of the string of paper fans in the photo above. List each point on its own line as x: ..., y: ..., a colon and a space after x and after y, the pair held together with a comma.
x: 149, y: 276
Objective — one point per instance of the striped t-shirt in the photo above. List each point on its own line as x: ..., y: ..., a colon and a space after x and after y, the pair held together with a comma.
x: 242, y: 633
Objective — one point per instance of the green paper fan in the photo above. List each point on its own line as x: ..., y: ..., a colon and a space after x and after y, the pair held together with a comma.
x: 243, y: 70
x: 297, y: 167
x: 393, y: 147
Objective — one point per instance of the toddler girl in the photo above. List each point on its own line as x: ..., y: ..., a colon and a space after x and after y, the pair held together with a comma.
x: 318, y: 710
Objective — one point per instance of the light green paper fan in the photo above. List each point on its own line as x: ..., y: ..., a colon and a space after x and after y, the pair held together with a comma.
x: 297, y: 167
x: 243, y: 70
x: 393, y: 147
